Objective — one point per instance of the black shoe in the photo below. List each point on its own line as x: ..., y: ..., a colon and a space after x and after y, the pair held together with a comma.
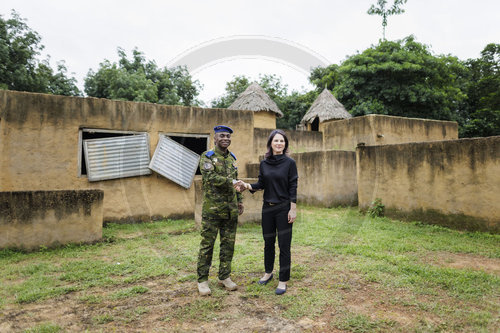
x: 280, y: 291
x: 265, y: 281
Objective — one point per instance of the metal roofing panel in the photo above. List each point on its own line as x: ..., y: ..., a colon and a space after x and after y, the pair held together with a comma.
x: 117, y: 157
x: 175, y: 162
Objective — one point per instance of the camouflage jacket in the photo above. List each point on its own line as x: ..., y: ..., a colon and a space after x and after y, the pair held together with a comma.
x: 220, y: 199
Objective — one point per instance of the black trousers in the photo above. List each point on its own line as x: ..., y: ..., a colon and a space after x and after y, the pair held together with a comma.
x: 275, y: 221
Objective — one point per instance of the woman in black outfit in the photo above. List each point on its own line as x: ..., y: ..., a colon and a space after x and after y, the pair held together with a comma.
x: 278, y: 178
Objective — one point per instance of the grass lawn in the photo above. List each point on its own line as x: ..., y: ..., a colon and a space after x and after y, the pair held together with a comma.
x: 350, y: 273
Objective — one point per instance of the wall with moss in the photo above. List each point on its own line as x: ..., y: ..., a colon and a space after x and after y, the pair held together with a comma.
x: 326, y: 178
x: 453, y: 183
x: 377, y: 129
x: 30, y: 219
x: 299, y: 141
x: 39, y: 148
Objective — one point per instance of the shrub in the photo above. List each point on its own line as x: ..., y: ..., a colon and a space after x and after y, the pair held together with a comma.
x: 377, y: 208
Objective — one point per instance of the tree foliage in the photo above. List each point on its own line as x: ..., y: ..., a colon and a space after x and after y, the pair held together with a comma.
x: 401, y: 78
x: 384, y: 13
x: 325, y: 77
x: 142, y: 81
x: 482, y: 109
x: 271, y: 84
x: 20, y: 68
x: 293, y: 105
x: 233, y: 89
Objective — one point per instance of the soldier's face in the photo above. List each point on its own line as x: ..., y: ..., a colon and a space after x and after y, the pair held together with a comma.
x: 222, y: 140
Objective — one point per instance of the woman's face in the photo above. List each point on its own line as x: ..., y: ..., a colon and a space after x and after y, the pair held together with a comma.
x: 278, y: 144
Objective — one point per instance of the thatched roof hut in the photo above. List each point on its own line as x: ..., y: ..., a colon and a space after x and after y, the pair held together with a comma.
x: 254, y: 98
x: 326, y: 107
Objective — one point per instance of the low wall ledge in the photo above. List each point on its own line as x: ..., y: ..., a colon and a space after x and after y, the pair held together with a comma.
x: 30, y: 219
x: 23, y: 206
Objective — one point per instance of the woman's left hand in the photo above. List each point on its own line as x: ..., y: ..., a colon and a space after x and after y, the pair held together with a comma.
x: 292, y: 214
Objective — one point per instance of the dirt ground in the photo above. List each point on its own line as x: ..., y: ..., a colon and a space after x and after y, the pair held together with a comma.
x: 159, y: 308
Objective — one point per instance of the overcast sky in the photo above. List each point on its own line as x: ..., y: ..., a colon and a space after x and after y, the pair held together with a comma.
x: 84, y: 33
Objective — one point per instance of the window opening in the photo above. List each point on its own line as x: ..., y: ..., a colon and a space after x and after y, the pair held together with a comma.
x: 315, y: 125
x: 197, y: 144
x: 95, y: 134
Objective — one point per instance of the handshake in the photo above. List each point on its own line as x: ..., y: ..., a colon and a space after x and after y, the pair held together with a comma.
x: 241, y: 186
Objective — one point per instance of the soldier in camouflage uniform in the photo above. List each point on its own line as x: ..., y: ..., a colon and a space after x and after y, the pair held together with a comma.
x: 221, y: 206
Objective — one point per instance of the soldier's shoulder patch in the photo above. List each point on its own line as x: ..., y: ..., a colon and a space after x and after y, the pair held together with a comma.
x: 209, y: 153
x: 208, y: 166
x: 233, y: 155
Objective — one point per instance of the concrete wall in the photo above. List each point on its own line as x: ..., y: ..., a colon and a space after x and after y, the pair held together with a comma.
x: 39, y: 148
x: 453, y: 183
x: 298, y: 141
x: 29, y: 220
x: 265, y: 119
x: 251, y: 202
x: 382, y: 130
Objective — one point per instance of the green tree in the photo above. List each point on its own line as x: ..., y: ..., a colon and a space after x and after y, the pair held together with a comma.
x: 325, y: 77
x: 274, y: 87
x: 233, y: 89
x: 20, y: 68
x: 271, y: 84
x: 59, y: 83
x: 384, y: 13
x: 142, y: 81
x: 293, y: 105
x: 482, y: 108
x: 401, y: 78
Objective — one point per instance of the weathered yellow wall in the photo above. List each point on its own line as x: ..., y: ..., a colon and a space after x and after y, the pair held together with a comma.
x: 298, y: 141
x: 265, y: 119
x: 453, y: 183
x: 29, y: 219
x: 39, y: 148
x: 327, y: 178
x: 324, y: 125
x: 382, y: 130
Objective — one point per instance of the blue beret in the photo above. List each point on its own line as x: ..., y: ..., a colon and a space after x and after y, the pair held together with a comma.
x: 222, y: 128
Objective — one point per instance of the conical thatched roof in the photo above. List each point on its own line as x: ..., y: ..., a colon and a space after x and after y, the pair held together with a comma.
x: 254, y: 98
x: 326, y: 107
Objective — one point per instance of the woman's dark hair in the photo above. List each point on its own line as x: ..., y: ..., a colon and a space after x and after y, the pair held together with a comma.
x: 269, y: 152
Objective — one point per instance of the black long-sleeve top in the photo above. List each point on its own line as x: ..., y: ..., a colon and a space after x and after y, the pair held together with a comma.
x: 278, y: 178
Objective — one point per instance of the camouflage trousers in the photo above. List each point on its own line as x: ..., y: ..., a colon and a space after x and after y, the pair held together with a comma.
x: 209, y: 231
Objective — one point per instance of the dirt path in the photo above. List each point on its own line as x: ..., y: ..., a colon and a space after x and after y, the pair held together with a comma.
x: 172, y: 306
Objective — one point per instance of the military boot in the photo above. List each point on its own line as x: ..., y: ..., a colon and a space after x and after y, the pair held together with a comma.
x: 204, y: 289
x: 228, y: 284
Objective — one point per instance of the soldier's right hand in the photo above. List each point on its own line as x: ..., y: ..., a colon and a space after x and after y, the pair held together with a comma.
x: 240, y: 186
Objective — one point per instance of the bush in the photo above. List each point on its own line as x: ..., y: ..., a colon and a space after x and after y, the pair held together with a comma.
x: 377, y: 208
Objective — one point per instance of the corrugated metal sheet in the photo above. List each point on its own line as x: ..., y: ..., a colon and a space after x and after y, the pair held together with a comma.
x: 117, y: 157
x: 175, y: 162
